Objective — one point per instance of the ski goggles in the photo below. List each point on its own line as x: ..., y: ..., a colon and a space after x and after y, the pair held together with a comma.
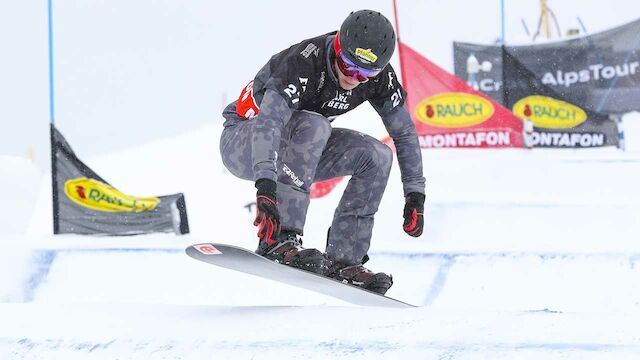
x: 348, y: 68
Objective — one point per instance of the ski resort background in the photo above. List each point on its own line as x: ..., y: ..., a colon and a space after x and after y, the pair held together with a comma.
x: 566, y: 220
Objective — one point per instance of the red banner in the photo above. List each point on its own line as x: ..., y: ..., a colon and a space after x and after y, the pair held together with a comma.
x: 321, y: 188
x: 449, y: 113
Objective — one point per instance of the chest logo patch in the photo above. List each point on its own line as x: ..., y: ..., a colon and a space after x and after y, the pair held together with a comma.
x: 339, y: 102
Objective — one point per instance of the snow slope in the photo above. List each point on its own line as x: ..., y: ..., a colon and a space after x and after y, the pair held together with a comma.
x: 527, y: 254
x: 19, y: 188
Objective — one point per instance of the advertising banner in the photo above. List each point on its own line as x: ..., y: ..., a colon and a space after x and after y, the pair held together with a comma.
x: 84, y: 203
x: 599, y: 72
x: 556, y: 121
x: 467, y: 58
x: 449, y: 113
x: 322, y: 188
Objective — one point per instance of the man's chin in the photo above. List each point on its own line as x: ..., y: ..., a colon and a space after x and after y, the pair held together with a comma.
x: 348, y: 86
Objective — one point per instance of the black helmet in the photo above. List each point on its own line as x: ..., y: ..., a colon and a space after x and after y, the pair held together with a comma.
x: 367, y: 38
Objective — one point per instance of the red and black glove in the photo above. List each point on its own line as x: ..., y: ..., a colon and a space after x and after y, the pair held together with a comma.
x: 267, y: 215
x: 414, y: 214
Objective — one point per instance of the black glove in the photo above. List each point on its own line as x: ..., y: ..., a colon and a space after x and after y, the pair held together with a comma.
x: 414, y: 214
x: 267, y: 215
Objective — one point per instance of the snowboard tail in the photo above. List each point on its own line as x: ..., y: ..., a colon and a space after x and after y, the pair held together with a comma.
x: 248, y: 262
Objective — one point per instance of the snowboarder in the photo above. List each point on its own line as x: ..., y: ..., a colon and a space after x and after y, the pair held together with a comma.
x: 279, y: 134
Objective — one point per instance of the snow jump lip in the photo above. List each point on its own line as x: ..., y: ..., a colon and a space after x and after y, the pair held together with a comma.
x: 242, y: 260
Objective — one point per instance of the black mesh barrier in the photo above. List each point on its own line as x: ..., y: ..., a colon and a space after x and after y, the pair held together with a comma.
x: 599, y: 72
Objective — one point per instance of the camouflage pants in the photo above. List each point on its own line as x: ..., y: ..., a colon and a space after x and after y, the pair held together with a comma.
x: 310, y: 150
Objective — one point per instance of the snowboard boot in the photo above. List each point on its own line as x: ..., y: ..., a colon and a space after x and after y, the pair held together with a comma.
x: 357, y: 275
x: 288, y: 250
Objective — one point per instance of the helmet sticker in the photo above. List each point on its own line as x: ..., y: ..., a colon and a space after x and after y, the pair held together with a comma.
x: 366, y: 54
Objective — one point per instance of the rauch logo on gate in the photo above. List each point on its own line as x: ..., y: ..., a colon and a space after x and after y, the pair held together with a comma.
x: 99, y: 196
x: 550, y: 113
x: 454, y: 110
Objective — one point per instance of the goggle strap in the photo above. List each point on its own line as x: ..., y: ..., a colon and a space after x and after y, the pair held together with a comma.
x: 336, y: 44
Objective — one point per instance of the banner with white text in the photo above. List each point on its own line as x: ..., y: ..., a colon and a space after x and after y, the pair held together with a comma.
x: 599, y: 72
x: 556, y: 121
x: 448, y: 113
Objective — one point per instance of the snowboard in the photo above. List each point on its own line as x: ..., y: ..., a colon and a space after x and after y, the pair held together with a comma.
x: 248, y: 262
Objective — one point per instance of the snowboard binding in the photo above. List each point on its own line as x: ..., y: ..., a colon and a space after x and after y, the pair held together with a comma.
x: 288, y: 251
x: 358, y: 275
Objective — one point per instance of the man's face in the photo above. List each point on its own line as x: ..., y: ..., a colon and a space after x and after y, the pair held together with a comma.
x: 347, y: 82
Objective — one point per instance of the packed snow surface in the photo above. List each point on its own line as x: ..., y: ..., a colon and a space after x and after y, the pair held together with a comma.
x: 527, y: 254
